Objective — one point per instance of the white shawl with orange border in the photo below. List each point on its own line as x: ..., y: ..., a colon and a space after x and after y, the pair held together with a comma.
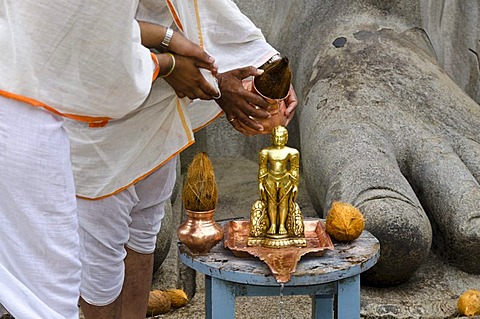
x: 58, y: 54
x: 108, y: 159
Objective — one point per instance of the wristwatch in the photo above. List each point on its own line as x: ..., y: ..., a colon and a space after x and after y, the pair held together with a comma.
x: 168, y: 36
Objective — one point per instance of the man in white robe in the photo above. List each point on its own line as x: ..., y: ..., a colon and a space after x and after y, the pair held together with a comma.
x: 117, y: 166
x: 81, y: 60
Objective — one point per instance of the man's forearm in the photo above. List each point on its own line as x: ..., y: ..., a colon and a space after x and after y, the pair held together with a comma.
x: 152, y: 35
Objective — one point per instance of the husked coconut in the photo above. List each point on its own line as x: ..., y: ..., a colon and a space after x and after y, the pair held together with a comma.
x: 469, y: 303
x: 344, y: 222
x: 158, y: 302
x: 178, y: 297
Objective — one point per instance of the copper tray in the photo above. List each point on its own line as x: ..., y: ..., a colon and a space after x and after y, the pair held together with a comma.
x: 281, y: 261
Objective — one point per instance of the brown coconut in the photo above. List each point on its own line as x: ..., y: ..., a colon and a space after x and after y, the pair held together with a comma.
x: 344, y: 222
x: 178, y: 297
x: 158, y: 302
x: 469, y: 303
x: 200, y: 188
x: 275, y: 81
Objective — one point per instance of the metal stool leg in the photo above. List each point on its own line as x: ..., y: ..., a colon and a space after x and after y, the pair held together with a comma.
x: 322, y: 307
x: 348, y: 298
x: 219, y: 299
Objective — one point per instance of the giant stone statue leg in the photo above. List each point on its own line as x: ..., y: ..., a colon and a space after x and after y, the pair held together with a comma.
x: 361, y: 168
x: 383, y: 125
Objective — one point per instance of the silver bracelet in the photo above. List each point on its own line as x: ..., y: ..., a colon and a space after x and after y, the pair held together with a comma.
x: 168, y: 36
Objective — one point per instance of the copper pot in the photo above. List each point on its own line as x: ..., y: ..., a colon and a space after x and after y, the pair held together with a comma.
x: 200, y: 232
x: 276, y: 108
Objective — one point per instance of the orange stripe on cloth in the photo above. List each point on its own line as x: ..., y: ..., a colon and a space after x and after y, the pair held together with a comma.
x: 156, y: 72
x: 184, y: 122
x: 199, y: 26
x: 190, y: 141
x: 93, y: 121
x: 174, y: 15
x: 196, y: 129
x: 141, y: 177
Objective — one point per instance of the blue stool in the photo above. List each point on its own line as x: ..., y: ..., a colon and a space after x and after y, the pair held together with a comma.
x: 335, y: 275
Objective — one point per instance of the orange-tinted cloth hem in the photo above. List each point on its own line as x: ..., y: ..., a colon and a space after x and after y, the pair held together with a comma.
x: 93, y: 121
x: 139, y: 178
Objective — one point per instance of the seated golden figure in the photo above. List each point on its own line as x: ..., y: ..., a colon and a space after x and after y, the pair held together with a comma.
x: 275, y: 219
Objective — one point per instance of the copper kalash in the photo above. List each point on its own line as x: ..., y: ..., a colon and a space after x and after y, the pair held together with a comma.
x: 275, y: 219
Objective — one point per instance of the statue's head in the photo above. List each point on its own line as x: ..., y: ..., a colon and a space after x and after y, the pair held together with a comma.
x: 279, y: 136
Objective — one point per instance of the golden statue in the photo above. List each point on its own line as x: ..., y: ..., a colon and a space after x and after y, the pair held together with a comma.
x: 275, y: 219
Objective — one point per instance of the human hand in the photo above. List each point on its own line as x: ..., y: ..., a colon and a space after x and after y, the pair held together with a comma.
x: 183, y: 46
x: 187, y: 80
x: 241, y: 106
x: 153, y: 34
x: 292, y: 103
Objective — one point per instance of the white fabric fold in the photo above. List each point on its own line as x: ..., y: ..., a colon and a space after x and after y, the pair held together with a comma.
x: 16, y: 297
x: 39, y: 244
x: 59, y: 53
x: 109, y: 159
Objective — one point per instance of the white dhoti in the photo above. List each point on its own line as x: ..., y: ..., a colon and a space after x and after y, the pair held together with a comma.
x: 82, y: 60
x: 131, y: 218
x: 39, y: 245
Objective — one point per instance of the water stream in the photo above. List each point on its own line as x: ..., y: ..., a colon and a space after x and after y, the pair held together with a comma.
x: 280, y: 302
